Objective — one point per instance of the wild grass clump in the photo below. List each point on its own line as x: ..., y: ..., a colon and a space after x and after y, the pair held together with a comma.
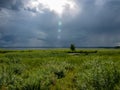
x: 100, y: 76
x: 58, y: 68
x: 8, y: 78
x: 15, y: 76
x: 39, y: 80
x: 44, y: 78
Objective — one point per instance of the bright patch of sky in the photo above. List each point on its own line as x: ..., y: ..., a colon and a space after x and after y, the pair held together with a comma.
x: 57, y: 6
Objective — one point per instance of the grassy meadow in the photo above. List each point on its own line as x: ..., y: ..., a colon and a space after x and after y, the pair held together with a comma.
x: 60, y: 69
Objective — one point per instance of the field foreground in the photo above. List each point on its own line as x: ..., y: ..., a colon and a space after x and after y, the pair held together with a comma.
x: 60, y: 69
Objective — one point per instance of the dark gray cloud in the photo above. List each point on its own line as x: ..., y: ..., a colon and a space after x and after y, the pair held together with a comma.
x: 11, y: 4
x: 97, y: 24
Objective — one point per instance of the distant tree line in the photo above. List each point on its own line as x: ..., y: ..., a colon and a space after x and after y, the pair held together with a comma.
x: 117, y: 47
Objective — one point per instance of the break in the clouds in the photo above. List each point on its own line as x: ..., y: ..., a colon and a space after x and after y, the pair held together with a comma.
x: 46, y: 23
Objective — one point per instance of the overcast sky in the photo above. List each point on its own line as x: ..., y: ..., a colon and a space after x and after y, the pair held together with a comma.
x: 58, y: 23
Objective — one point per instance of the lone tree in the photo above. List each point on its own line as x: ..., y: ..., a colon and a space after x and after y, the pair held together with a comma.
x: 72, y: 47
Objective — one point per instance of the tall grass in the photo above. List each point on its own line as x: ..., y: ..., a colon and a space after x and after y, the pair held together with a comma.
x: 60, y: 70
x: 99, y: 76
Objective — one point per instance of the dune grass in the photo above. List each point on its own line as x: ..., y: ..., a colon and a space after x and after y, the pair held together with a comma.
x: 60, y: 70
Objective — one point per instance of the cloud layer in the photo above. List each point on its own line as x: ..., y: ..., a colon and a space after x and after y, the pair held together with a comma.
x: 95, y: 24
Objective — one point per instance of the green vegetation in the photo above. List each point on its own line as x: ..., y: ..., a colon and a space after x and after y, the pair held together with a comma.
x: 60, y: 69
x: 72, y: 47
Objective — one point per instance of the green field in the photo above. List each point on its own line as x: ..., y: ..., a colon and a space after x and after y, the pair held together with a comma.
x: 60, y: 69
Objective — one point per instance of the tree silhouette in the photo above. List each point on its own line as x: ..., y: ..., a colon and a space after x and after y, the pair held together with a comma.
x: 72, y: 47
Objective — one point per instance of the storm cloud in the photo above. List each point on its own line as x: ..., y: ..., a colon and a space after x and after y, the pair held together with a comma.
x: 96, y: 23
